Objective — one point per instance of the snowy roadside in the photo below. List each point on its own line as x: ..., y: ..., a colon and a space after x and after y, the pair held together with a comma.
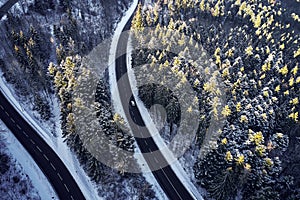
x: 164, y: 149
x: 138, y: 155
x: 116, y: 101
x: 47, y: 129
x: 88, y: 188
x: 175, y: 164
x: 28, y: 166
x: 2, y: 2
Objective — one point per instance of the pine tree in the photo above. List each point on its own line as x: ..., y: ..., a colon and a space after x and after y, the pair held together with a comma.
x: 138, y: 20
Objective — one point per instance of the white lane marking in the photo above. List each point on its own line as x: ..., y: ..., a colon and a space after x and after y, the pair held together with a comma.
x: 72, y: 197
x: 66, y: 187
x: 6, y: 113
x: 59, y: 176
x: 19, y: 127
x: 155, y: 159
x: 141, y: 132
x: 39, y: 149
x: 46, y: 157
x: 1, y: 107
x: 150, y: 150
x: 32, y: 141
x: 53, y: 166
x: 25, y: 134
x: 170, y: 183
x: 12, y: 120
x: 146, y: 142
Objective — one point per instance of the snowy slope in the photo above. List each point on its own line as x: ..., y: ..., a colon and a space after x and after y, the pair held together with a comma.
x: 87, y: 187
x: 145, y: 114
x: 116, y: 102
x: 27, y: 166
x: 174, y: 163
x: 2, y: 2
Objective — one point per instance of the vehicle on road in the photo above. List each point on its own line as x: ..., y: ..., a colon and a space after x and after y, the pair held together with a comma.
x: 132, y: 103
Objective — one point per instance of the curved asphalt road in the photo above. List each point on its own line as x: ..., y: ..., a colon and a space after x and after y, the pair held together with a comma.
x: 47, y: 160
x: 165, y: 176
x: 54, y: 169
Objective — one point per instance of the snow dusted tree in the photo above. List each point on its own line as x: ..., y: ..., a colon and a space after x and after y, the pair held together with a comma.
x: 138, y: 20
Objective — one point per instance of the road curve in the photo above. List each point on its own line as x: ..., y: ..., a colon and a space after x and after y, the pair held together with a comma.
x: 164, y: 175
x: 51, y: 165
x: 47, y: 160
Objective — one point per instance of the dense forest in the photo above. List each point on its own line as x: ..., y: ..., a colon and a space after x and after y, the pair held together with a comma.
x: 43, y: 47
x: 241, y: 59
x: 89, y: 129
x: 246, y: 53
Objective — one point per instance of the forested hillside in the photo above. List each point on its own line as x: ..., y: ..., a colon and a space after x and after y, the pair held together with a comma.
x: 242, y: 60
x: 42, y: 47
x: 35, y: 33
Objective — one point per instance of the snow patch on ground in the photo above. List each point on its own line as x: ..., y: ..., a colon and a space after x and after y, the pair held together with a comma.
x: 116, y: 102
x: 21, y: 7
x: 44, y: 128
x: 27, y: 166
x: 2, y: 2
x: 50, y: 130
x: 148, y: 175
x: 188, y: 159
x: 175, y: 165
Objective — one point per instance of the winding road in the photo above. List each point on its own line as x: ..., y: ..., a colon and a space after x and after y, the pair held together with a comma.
x: 161, y: 170
x: 48, y: 161
x: 53, y: 167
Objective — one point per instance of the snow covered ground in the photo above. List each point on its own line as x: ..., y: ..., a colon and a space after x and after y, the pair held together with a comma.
x: 19, y: 8
x: 174, y: 163
x: 145, y: 114
x: 2, y: 2
x: 56, y: 142
x: 49, y: 130
x: 31, y: 178
x: 116, y: 102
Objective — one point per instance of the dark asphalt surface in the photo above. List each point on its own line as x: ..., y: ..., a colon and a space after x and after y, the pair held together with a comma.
x: 6, y: 6
x: 165, y: 176
x: 52, y: 166
x: 47, y: 160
